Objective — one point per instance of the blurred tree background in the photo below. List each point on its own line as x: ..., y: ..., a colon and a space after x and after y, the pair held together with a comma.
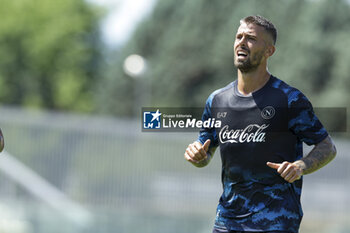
x: 52, y: 55
x: 189, y: 49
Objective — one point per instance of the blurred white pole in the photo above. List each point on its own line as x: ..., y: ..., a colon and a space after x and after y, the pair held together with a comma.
x: 43, y: 190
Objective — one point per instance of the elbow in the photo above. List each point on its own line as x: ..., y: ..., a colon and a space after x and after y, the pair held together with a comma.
x: 333, y: 151
x: 331, y: 147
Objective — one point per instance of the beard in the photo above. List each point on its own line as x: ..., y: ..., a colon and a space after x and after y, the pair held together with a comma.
x: 249, y: 64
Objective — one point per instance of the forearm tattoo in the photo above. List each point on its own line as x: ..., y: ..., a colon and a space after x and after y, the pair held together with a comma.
x: 319, y: 156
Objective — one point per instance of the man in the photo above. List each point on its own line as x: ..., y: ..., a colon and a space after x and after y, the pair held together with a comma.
x: 264, y: 122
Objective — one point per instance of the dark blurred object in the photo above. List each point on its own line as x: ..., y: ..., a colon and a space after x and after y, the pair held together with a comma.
x: 2, y: 141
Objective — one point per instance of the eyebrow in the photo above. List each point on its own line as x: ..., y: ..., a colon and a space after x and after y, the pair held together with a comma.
x: 247, y: 35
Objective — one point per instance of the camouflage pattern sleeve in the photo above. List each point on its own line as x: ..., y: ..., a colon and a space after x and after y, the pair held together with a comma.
x: 302, y: 120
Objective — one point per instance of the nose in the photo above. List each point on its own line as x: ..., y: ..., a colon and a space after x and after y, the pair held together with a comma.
x: 242, y: 42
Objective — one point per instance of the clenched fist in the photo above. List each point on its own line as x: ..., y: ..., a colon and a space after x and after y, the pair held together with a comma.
x: 196, y: 152
x: 288, y: 171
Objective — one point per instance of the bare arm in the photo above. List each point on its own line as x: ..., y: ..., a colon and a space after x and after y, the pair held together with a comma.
x: 319, y: 156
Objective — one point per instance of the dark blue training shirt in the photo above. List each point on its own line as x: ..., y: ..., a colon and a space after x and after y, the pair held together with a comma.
x: 267, y: 126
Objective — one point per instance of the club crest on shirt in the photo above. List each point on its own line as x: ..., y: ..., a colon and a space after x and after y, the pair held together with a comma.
x: 221, y: 114
x: 251, y: 133
x: 268, y: 112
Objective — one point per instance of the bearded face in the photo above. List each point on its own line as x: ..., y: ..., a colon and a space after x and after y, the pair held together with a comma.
x: 247, y: 61
x: 249, y: 47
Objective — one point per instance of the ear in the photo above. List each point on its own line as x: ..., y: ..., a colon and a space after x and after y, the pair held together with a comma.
x: 270, y: 50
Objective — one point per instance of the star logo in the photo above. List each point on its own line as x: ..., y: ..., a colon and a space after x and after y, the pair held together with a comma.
x: 151, y: 120
x: 156, y: 115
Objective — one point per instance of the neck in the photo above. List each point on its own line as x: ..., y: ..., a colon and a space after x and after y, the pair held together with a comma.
x: 249, y: 82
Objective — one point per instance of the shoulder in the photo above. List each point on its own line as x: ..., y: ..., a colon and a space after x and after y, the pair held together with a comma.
x: 292, y: 94
x: 220, y: 91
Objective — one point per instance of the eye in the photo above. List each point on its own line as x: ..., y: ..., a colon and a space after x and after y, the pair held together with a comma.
x: 252, y: 38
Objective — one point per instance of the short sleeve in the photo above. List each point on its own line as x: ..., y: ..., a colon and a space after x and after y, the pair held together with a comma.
x: 302, y: 119
x: 208, y: 133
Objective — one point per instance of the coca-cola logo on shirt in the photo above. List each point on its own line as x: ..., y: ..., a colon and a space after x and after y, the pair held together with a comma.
x: 251, y: 133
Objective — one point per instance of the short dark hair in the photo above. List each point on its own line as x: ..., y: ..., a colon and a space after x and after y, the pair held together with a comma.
x: 263, y: 22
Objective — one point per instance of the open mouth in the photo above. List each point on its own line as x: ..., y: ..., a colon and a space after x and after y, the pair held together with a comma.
x: 242, y: 53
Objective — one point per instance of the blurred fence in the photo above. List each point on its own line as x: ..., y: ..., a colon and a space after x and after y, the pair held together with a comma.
x: 129, y: 182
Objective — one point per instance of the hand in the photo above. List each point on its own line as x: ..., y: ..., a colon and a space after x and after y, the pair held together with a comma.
x: 288, y: 171
x: 196, y: 152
